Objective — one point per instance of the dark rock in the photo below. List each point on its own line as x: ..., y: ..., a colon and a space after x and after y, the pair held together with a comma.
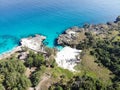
x: 110, y: 23
x: 117, y: 19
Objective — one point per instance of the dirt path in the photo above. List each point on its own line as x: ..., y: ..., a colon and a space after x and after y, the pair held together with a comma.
x: 44, y: 83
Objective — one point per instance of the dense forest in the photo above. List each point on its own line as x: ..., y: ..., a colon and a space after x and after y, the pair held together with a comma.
x: 12, y: 76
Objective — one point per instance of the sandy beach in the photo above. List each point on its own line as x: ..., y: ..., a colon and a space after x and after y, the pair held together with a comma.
x: 66, y: 58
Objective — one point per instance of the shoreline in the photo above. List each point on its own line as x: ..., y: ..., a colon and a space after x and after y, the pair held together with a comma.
x: 10, y: 52
x: 67, y: 36
x: 34, y: 43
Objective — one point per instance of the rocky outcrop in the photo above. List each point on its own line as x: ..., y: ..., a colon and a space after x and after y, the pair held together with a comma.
x: 117, y: 19
x: 71, y: 35
x: 23, y: 55
x: 35, y: 43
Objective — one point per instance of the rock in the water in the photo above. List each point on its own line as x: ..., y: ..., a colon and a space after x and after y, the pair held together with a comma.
x: 117, y: 19
x: 34, y: 43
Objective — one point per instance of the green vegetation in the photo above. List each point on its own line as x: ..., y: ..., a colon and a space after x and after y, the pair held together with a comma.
x: 100, y: 65
x: 106, y: 53
x: 99, y: 68
x: 79, y: 83
x: 41, y: 62
x: 34, y: 60
x: 12, y: 75
x: 57, y: 72
x: 35, y: 77
x: 90, y: 67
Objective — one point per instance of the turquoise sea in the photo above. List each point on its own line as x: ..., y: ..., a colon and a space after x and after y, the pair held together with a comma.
x: 21, y: 18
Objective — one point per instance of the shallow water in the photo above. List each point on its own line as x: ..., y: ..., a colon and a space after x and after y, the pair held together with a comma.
x: 21, y: 18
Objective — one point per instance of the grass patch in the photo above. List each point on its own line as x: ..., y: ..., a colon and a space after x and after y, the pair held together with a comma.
x: 89, y: 67
x: 57, y: 72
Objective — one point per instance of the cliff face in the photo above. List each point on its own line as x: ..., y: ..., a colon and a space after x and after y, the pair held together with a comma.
x: 74, y: 35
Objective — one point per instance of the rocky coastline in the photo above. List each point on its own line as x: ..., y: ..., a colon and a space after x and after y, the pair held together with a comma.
x: 72, y: 36
x: 34, y: 43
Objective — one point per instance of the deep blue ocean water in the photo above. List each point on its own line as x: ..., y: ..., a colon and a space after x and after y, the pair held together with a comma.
x: 21, y: 18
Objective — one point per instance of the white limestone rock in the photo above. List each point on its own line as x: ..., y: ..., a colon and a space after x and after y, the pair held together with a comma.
x: 34, y: 43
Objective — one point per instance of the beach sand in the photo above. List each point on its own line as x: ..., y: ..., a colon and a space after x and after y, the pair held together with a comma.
x: 66, y: 58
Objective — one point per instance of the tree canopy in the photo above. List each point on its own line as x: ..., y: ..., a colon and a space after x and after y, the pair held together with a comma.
x: 12, y: 75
